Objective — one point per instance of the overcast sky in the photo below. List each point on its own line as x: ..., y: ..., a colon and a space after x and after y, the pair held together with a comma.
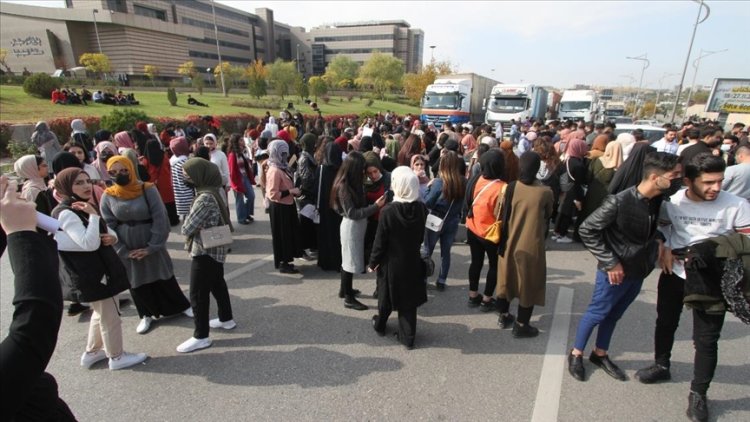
x: 558, y: 43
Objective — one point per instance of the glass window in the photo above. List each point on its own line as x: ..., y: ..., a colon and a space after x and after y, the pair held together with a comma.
x: 575, y: 105
x: 149, y: 12
x: 441, y: 101
x: 508, y: 105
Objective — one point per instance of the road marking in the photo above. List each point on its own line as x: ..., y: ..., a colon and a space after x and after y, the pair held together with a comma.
x: 249, y: 267
x: 547, y: 401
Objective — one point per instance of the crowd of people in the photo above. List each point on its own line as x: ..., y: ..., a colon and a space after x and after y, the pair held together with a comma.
x: 67, y: 96
x: 378, y: 195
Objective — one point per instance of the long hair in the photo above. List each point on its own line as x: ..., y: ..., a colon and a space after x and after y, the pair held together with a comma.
x: 350, y: 181
x: 412, y: 146
x: 543, y: 146
x: 454, y: 183
x: 234, y: 144
x: 320, y: 149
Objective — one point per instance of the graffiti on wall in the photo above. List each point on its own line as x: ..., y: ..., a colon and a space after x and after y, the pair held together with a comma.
x: 29, y: 46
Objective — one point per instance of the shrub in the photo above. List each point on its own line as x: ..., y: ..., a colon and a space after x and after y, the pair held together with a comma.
x: 61, y: 127
x: 5, y: 134
x: 18, y: 149
x: 41, y: 85
x: 265, y: 103
x: 326, y: 99
x: 122, y: 119
x: 369, y: 102
x: 172, y: 96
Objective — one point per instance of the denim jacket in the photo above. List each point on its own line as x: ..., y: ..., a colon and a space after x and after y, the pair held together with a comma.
x: 438, y: 205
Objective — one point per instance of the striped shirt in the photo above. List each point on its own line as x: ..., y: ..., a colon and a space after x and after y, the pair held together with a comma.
x: 183, y: 194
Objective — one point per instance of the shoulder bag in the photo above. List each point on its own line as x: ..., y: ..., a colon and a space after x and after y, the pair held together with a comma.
x: 434, y: 222
x: 495, y: 230
x: 220, y: 235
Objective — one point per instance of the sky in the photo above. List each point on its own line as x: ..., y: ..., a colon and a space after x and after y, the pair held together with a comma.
x: 554, y: 43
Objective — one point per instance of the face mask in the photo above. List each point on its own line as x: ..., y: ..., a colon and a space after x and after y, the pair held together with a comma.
x: 726, y: 147
x: 122, y: 179
x: 674, y: 186
x: 106, y: 157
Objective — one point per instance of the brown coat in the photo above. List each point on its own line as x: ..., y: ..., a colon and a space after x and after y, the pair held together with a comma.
x: 522, y: 272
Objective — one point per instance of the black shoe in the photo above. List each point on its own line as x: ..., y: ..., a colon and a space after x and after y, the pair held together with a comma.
x: 487, y: 306
x: 355, y: 293
x: 440, y: 286
x: 123, y: 302
x: 524, y: 331
x: 608, y: 366
x: 505, y: 321
x: 351, y: 303
x: 408, y: 346
x: 653, y: 373
x: 250, y: 219
x: 243, y: 222
x: 375, y: 326
x: 285, y: 268
x: 575, y: 367
x: 697, y: 409
x: 374, y: 294
x: 77, y: 309
x: 475, y: 301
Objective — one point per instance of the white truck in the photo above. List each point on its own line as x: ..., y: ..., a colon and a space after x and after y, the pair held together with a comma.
x: 456, y: 98
x: 579, y: 105
x: 614, y: 109
x: 515, y: 102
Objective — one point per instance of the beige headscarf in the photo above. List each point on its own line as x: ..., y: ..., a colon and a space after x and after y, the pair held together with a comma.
x: 612, y: 158
x: 27, y: 168
x: 627, y: 141
x: 404, y: 184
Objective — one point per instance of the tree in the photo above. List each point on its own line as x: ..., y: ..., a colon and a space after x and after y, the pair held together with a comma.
x: 301, y: 88
x: 96, y: 63
x: 317, y: 86
x: 3, y: 56
x: 257, y: 75
x: 172, y: 96
x: 341, y: 72
x: 282, y: 76
x: 382, y: 72
x: 151, y: 72
x: 231, y: 74
x: 189, y: 70
x: 416, y: 83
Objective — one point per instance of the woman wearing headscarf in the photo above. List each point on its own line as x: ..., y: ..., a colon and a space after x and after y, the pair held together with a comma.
x: 160, y: 174
x: 134, y: 210
x: 522, y: 269
x: 280, y: 192
x: 348, y: 199
x: 33, y: 169
x: 600, y: 174
x: 94, y: 270
x: 183, y: 194
x: 484, y: 195
x: 272, y: 127
x: 80, y: 135
x: 511, y: 162
x: 122, y: 140
x: 444, y: 198
x: 141, y: 170
x: 627, y: 142
x: 598, y: 147
x: 104, y: 151
x: 396, y: 257
x: 46, y: 141
x: 630, y: 172
x: 572, y: 173
x: 329, y: 237
x: 207, y: 267
x: 306, y: 179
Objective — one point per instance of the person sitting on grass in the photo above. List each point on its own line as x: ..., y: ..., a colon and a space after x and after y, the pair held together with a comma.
x: 193, y: 101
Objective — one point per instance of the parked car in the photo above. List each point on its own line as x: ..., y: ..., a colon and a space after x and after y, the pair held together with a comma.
x: 617, y: 120
x: 647, y: 122
x: 651, y: 133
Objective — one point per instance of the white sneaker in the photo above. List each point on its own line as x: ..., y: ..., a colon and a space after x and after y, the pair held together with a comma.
x: 564, y: 239
x: 227, y: 325
x: 192, y: 344
x: 188, y: 313
x: 144, y: 325
x: 126, y: 360
x: 554, y: 236
x: 89, y: 359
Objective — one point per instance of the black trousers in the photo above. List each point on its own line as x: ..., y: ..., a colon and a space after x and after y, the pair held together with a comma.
x: 706, y: 333
x: 207, y: 278
x: 479, y: 248
x: 670, y: 293
x: 407, y: 319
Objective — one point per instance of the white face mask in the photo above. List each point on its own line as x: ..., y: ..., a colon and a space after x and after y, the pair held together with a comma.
x: 726, y: 147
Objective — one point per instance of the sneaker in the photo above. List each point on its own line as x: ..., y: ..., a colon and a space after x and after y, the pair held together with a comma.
x: 77, y: 309
x: 487, y: 306
x: 250, y: 219
x: 475, y: 301
x: 188, y: 313
x: 439, y: 286
x: 653, y: 373
x: 554, y: 236
x: 285, y: 268
x: 506, y: 321
x: 144, y: 325
x: 524, y: 331
x: 192, y: 344
x: 126, y: 360
x: 227, y: 325
x: 564, y: 240
x: 88, y: 359
x: 307, y: 257
x: 697, y: 409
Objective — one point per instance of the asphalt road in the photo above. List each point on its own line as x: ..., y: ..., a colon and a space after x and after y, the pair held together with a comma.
x: 297, y: 353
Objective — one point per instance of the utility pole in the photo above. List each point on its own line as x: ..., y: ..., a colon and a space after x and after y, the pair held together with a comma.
x: 218, y: 50
x: 698, y: 21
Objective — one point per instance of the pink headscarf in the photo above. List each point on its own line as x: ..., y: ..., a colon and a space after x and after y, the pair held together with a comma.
x: 179, y: 146
x: 577, y: 148
x: 122, y: 140
x: 100, y: 165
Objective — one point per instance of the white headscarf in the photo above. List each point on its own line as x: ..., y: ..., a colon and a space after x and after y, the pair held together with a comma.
x: 27, y: 168
x: 627, y: 141
x: 78, y: 126
x: 404, y: 184
x: 278, y: 154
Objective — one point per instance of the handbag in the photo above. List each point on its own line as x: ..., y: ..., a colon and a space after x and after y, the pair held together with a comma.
x: 434, y: 222
x: 216, y: 236
x: 493, y: 232
x: 311, y: 211
x: 566, y: 179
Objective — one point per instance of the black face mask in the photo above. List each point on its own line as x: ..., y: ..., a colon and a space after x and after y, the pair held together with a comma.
x: 674, y: 186
x: 189, y: 184
x: 105, y: 157
x: 122, y: 179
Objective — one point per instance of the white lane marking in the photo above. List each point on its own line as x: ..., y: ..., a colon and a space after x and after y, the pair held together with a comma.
x: 249, y: 267
x: 547, y: 401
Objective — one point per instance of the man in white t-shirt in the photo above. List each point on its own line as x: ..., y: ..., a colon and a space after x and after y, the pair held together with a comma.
x: 699, y: 212
x: 693, y: 136
x: 737, y: 177
x: 668, y: 143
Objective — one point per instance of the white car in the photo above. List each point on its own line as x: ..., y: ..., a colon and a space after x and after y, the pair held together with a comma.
x: 651, y: 133
x: 647, y: 122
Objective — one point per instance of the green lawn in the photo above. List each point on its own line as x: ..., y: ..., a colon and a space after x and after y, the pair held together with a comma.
x: 18, y: 107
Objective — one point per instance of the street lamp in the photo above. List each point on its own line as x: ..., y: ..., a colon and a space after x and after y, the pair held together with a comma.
x: 208, y: 70
x: 697, y: 64
x: 218, y: 51
x: 658, y: 93
x: 698, y: 21
x: 646, y: 63
x: 96, y: 29
x: 297, y: 58
x: 432, y: 53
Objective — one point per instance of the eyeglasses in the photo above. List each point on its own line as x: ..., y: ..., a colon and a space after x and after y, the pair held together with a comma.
x: 83, y: 182
x: 113, y: 173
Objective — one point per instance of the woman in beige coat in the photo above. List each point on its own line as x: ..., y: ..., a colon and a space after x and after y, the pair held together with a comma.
x: 522, y: 272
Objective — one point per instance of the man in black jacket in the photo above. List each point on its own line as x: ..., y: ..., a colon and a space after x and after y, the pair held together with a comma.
x: 622, y: 236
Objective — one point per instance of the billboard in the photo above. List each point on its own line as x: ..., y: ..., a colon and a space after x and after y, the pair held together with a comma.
x: 729, y: 96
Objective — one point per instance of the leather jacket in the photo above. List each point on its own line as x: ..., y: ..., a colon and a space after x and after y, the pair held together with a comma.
x: 623, y: 230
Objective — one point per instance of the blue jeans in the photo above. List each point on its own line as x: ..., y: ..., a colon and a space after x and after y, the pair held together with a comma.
x: 607, y: 306
x: 446, y: 237
x: 245, y: 202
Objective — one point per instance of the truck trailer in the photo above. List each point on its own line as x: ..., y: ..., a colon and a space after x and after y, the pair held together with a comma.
x: 456, y: 98
x: 579, y: 105
x: 515, y: 102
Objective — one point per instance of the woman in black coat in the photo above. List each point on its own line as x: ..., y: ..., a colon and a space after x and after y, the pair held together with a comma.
x: 396, y: 258
x: 329, y: 240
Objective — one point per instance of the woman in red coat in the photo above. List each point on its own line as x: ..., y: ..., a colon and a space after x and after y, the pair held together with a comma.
x: 160, y: 173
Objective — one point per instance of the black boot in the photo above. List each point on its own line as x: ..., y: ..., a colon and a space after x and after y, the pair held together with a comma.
x: 697, y: 409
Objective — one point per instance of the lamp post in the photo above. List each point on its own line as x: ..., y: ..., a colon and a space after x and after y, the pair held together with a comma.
x: 658, y: 93
x: 698, y: 21
x: 631, y: 80
x: 96, y: 29
x: 297, y: 58
x: 646, y: 63
x: 208, y: 70
x: 218, y: 51
x: 696, y: 65
x: 432, y: 53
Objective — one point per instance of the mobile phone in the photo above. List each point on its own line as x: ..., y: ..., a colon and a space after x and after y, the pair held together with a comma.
x: 388, y: 196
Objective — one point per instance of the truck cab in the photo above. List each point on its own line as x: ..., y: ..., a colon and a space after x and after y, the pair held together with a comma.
x: 447, y: 102
x: 579, y: 105
x: 515, y: 102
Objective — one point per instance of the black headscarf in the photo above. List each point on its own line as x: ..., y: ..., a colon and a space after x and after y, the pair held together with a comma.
x: 365, y: 144
x: 529, y: 167
x: 140, y: 139
x: 102, y: 135
x: 64, y: 160
x: 308, y: 142
x: 630, y: 172
x: 492, y: 164
x: 153, y: 152
x: 333, y: 156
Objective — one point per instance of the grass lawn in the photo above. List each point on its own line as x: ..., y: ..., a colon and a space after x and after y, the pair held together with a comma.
x: 18, y: 107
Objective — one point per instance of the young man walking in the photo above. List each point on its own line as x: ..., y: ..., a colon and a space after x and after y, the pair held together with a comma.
x: 622, y: 235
